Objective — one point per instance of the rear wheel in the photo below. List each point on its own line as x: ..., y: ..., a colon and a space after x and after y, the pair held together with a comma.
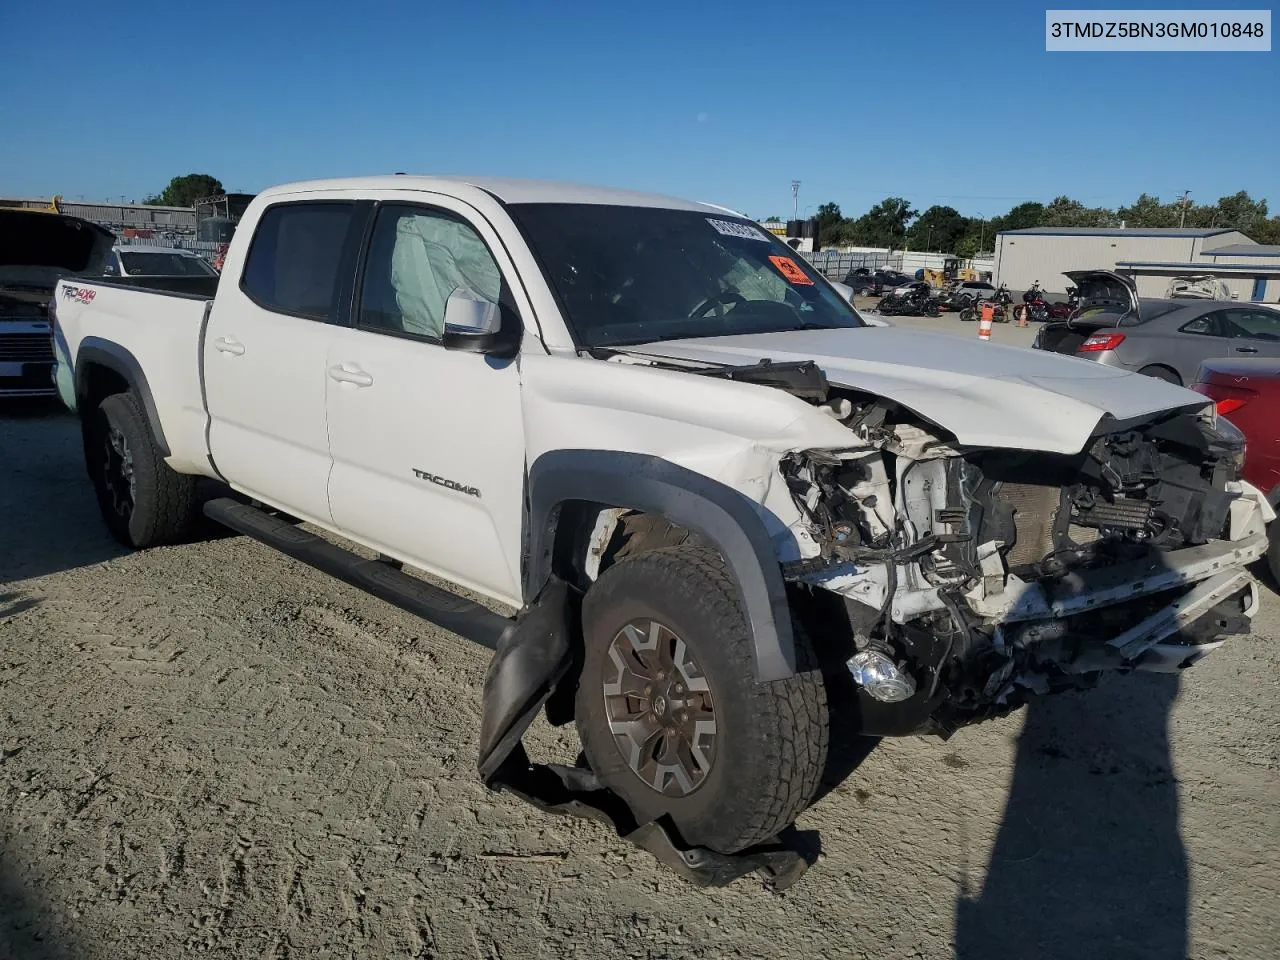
x: 143, y: 501
x: 670, y: 715
x: 1161, y: 373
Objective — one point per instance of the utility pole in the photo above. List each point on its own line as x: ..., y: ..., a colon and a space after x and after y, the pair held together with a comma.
x: 795, y: 196
x: 1185, y: 202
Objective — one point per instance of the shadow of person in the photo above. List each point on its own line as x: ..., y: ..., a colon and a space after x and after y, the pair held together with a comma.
x: 27, y: 931
x: 1088, y: 861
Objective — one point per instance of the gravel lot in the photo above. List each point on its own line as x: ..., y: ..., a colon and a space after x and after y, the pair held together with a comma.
x: 212, y: 749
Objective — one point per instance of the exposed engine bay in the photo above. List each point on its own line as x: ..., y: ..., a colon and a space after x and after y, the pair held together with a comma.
x: 976, y: 578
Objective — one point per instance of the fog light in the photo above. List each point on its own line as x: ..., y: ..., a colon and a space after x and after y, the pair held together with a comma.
x: 880, y: 677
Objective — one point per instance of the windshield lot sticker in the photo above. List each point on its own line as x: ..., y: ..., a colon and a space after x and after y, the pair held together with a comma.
x: 791, y: 271
x: 731, y: 229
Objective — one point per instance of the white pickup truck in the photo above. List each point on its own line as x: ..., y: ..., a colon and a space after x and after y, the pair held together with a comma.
x: 721, y: 506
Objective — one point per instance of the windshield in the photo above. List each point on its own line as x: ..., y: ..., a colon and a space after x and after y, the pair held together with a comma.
x: 628, y: 275
x: 164, y: 265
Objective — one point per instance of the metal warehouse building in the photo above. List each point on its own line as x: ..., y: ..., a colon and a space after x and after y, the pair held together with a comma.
x: 1250, y: 270
x: 1043, y: 253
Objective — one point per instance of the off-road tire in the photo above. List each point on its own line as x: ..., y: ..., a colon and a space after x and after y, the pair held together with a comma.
x: 163, y: 508
x: 771, y: 744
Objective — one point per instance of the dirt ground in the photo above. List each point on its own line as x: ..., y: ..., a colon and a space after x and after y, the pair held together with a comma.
x: 213, y: 749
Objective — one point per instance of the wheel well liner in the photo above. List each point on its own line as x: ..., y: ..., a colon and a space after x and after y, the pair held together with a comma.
x: 95, y: 352
x: 720, y: 514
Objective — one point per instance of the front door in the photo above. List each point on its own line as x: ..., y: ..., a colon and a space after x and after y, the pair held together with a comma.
x: 428, y: 443
x: 1254, y: 331
x: 264, y: 358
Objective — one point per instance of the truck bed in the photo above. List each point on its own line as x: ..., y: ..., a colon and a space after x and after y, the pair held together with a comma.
x: 153, y: 326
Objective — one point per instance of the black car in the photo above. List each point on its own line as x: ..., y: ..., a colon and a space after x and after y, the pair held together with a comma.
x: 865, y: 283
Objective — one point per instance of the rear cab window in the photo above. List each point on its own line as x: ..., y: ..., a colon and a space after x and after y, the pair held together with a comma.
x: 294, y: 257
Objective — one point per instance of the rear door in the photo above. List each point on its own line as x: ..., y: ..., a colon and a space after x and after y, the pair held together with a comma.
x: 265, y: 350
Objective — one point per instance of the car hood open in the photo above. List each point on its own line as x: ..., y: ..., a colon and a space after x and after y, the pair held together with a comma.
x: 984, y: 394
x: 38, y: 248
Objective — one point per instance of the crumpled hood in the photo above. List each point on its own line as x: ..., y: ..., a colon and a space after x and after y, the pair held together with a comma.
x: 38, y: 248
x: 985, y: 394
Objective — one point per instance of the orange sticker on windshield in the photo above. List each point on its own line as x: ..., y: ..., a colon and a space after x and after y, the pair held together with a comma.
x: 791, y: 271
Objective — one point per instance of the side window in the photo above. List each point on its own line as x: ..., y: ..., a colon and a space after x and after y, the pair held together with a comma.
x: 1202, y: 325
x: 417, y: 258
x: 111, y: 268
x: 1253, y: 324
x: 293, y: 260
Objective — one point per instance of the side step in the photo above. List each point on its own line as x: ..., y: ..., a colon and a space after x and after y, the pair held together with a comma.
x: 444, y: 609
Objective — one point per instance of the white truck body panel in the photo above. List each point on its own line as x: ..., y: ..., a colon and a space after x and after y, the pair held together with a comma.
x: 163, y: 334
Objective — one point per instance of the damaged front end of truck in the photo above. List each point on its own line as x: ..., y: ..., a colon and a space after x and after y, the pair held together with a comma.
x: 976, y: 578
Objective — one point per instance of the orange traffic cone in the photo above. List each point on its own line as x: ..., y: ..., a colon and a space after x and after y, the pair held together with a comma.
x: 1022, y: 316
x: 984, y: 321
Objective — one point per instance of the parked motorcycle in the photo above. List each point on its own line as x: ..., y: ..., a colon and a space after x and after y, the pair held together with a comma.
x: 1000, y: 302
x: 1035, y: 306
x: 916, y: 300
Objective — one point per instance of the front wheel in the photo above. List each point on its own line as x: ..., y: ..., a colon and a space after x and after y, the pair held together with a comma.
x: 967, y: 314
x: 143, y: 501
x: 670, y: 715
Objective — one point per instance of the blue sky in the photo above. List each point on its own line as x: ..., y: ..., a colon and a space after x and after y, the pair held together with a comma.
x: 724, y: 102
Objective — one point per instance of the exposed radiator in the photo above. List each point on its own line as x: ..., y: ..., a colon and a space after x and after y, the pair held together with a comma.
x: 1035, y: 510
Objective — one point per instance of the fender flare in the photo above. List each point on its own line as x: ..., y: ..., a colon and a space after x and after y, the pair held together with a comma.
x: 109, y: 354
x: 720, y: 514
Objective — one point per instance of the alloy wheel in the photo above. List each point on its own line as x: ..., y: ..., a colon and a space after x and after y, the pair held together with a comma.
x: 660, y: 708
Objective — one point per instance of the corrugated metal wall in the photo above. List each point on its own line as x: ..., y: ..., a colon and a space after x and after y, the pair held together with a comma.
x: 1024, y: 258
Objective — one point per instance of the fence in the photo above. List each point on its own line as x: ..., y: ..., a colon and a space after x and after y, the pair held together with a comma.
x: 836, y: 265
x: 203, y: 248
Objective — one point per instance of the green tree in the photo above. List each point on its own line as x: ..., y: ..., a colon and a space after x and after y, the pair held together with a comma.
x: 185, y: 191
x: 1022, y: 217
x: 1148, y: 211
x: 885, y: 224
x: 938, y: 228
x: 829, y: 220
x: 1266, y: 231
x: 1240, y: 212
x: 1065, y: 212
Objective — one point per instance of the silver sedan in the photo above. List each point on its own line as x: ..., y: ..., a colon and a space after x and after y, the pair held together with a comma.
x: 1167, y: 339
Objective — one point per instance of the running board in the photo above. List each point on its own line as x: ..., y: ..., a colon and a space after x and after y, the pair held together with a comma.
x: 384, y: 581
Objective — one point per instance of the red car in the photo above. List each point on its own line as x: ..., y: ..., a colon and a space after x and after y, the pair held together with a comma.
x: 1248, y: 394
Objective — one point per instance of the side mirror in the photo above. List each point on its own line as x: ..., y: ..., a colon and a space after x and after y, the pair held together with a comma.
x: 471, y: 323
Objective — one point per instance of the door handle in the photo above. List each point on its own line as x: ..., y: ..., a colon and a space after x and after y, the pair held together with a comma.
x: 229, y: 345
x: 349, y: 373
x: 1246, y: 349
